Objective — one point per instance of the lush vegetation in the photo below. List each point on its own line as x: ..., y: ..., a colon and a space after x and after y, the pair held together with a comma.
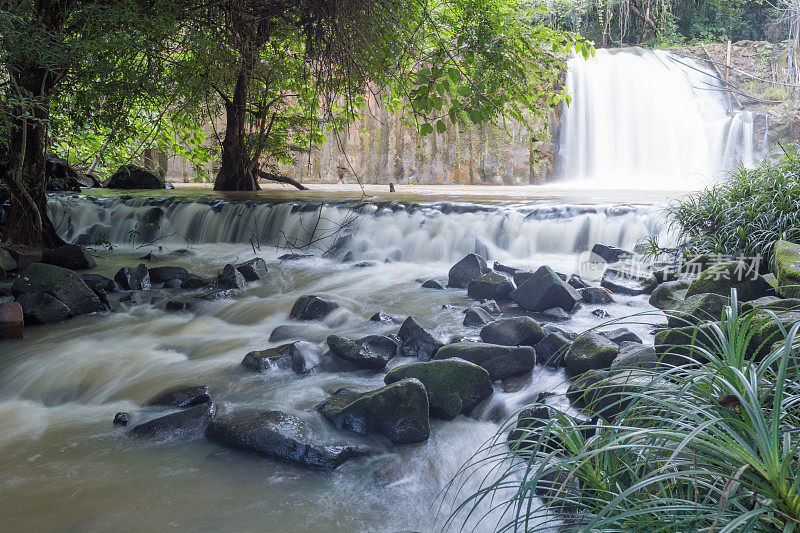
x: 746, y: 213
x: 697, y: 447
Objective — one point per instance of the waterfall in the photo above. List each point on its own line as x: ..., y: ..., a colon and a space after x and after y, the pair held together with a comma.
x: 649, y: 120
x: 408, y: 232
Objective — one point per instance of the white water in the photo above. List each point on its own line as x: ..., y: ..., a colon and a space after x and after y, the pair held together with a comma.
x: 644, y: 119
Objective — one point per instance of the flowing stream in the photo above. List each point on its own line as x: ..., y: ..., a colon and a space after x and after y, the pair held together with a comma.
x: 66, y: 467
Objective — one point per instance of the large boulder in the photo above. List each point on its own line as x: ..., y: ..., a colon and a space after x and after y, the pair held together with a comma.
x: 23, y: 256
x: 635, y: 355
x: 630, y: 281
x: 181, y: 396
x: 97, y: 280
x: 60, y: 176
x: 399, y: 412
x: 500, y: 361
x: 133, y: 279
x: 590, y: 351
x: 722, y: 277
x: 133, y: 177
x: 606, y: 394
x: 300, y: 356
x: 470, y: 267
x: 419, y: 338
x: 490, y: 286
x: 610, y: 254
x: 12, y: 321
x: 62, y: 284
x: 253, y: 270
x: 698, y: 308
x: 281, y: 436
x: 312, y: 308
x: 371, y: 353
x: 184, y: 424
x: 229, y: 278
x: 545, y: 290
x: 454, y: 386
x: 786, y: 264
x: 42, y: 308
x: 669, y: 295
x: 513, y: 331
x: 552, y: 349
x: 70, y: 256
x: 263, y: 360
x: 766, y: 332
x: 165, y: 274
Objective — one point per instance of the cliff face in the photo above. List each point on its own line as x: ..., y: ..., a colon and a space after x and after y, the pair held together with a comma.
x: 378, y: 148
x: 758, y: 76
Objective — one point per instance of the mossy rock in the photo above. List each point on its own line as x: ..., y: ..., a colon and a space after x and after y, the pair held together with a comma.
x: 773, y: 303
x: 606, y: 394
x: 723, y: 277
x: 500, y: 361
x: 697, y: 309
x: 454, y: 386
x: 399, y: 411
x: 490, y: 286
x: 513, y: 331
x: 786, y: 264
x: 681, y: 346
x: 62, y: 284
x: 669, y: 295
x: 766, y: 332
x: 590, y: 352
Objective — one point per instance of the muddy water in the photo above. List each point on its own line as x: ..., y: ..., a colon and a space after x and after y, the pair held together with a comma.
x: 63, y: 466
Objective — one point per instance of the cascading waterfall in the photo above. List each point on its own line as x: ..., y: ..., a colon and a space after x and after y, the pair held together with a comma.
x: 644, y: 119
x: 394, y: 231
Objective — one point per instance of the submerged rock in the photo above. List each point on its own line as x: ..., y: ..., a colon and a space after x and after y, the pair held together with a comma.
x: 281, y: 436
x: 121, y: 419
x: 184, y: 424
x: 454, y: 386
x: 590, y: 351
x: 134, y: 279
x: 181, y: 396
x: 514, y: 331
x: 433, y: 284
x: 371, y: 353
x: 545, y: 290
x: 399, y: 411
x: 470, y: 267
x: 312, y: 308
x: 500, y: 361
x: 71, y: 256
x: 62, y: 284
x: 419, y: 338
x: 253, y: 270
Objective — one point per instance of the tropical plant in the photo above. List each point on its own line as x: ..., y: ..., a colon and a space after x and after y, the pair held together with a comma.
x: 693, y: 447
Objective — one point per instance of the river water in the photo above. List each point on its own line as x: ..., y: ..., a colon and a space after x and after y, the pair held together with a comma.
x: 64, y: 466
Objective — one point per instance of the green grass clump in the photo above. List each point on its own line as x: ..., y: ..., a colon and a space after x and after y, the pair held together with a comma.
x: 746, y: 213
x: 702, y: 447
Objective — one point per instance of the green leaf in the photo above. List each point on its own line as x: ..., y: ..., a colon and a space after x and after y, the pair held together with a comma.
x: 425, y: 129
x: 441, y: 127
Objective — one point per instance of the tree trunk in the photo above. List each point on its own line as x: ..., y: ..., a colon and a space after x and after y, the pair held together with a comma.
x: 234, y: 172
x: 28, y: 223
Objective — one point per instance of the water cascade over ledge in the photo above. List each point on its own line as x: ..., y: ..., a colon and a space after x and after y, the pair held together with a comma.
x: 642, y: 119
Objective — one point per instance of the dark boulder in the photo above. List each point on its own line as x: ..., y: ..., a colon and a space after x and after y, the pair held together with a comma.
x: 454, y: 386
x: 193, y: 281
x: 308, y: 332
x: 23, y: 256
x: 253, y: 270
x: 133, y: 279
x: 60, y: 176
x: 556, y: 313
x: 545, y: 290
x: 669, y: 295
x: 476, y: 317
x: 371, y: 353
x: 312, y: 308
x: 12, y: 322
x: 635, y: 355
x: 179, y: 305
x: 7, y: 262
x: 399, y: 411
x: 134, y: 177
x: 70, y: 256
x: 380, y: 316
x: 433, y: 284
x: 42, y: 308
x: 122, y: 419
x: 230, y: 278
x: 95, y: 235
x: 499, y: 267
x: 218, y: 294
x: 610, y: 254
x: 490, y: 286
x: 514, y: 331
x: 722, y: 277
x: 419, y: 338
x: 281, y: 436
x: 552, y: 349
x: 595, y: 295
x: 470, y: 267
x: 185, y: 424
x: 263, y: 360
x: 521, y: 276
x: 108, y: 285
x: 500, y: 361
x: 181, y: 396
x: 62, y: 284
x: 577, y: 283
x: 631, y: 281
x: 620, y: 335
x: 590, y: 351
x: 167, y: 273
